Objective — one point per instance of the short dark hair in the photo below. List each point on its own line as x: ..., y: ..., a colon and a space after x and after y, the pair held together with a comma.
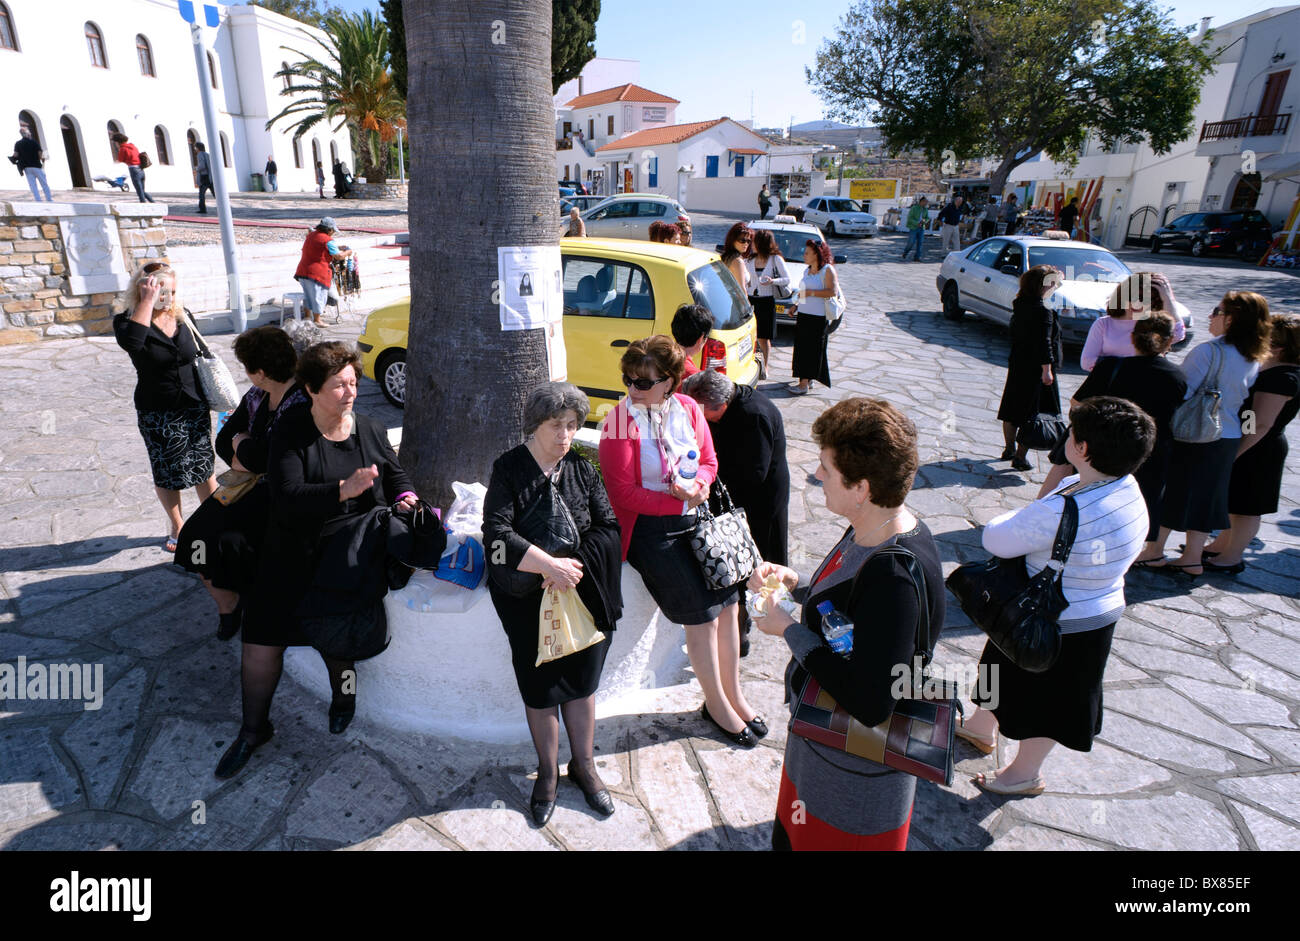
x: 324, y: 360
x: 764, y: 243
x: 268, y: 350
x: 737, y: 230
x: 1118, y: 434
x: 691, y: 322
x: 199, y: 145
x: 1152, y: 336
x: 117, y: 137
x: 658, y: 351
x: 1033, y: 280
x: 872, y: 441
x: 551, y: 400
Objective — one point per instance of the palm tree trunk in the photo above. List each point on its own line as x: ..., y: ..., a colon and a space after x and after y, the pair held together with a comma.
x: 482, y: 157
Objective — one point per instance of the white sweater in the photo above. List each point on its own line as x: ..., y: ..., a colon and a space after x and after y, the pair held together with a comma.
x: 1112, y: 529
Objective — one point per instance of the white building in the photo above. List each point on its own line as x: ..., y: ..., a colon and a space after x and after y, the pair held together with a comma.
x: 97, y: 68
x: 590, y: 120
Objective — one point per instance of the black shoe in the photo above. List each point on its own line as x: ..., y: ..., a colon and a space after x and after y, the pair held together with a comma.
x: 744, y: 738
x: 541, y: 811
x: 341, y: 717
x: 744, y: 646
x: 758, y: 725
x: 230, y: 623
x: 1209, y: 566
x: 1008, y: 454
x: 240, y: 750
x: 1021, y: 464
x: 598, y: 800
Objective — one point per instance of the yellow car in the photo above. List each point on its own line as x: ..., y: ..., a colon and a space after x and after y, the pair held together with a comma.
x: 615, y: 291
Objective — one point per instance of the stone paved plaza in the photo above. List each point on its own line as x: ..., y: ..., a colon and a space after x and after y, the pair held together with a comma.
x: 1201, y: 737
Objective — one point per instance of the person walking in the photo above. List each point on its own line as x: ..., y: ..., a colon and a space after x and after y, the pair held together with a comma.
x: 340, y: 180
x: 767, y: 276
x: 1141, y: 294
x: 1010, y: 214
x: 1036, y: 353
x: 320, y: 180
x: 1196, y: 493
x: 171, y: 413
x: 1109, y: 439
x: 272, y: 173
x: 764, y: 201
x: 204, y: 171
x: 314, y: 272
x: 950, y: 219
x: 918, y: 220
x: 988, y: 219
x: 30, y: 160
x: 1069, y: 216
x: 524, y: 483
x: 829, y: 798
x: 1256, y: 484
x: 129, y: 155
x: 812, y: 320
x: 783, y: 197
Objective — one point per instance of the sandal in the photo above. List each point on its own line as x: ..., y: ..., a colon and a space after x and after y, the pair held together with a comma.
x: 1173, y: 568
x: 1024, y: 788
x: 1152, y: 564
x: 170, y: 544
x: 979, y: 742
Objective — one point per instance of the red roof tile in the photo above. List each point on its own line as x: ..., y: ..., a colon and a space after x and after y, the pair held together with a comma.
x: 628, y: 92
x: 653, y: 136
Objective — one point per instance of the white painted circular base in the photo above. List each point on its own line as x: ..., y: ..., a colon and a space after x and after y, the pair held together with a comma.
x: 449, y: 673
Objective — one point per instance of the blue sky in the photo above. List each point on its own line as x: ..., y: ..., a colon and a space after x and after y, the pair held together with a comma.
x: 724, y: 53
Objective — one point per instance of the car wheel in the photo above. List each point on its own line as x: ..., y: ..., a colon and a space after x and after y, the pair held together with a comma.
x: 951, y: 307
x: 1198, y: 248
x: 830, y: 230
x: 1155, y: 245
x: 391, y: 371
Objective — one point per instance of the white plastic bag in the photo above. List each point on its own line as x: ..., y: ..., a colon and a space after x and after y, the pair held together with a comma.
x: 463, y: 565
x: 465, y: 518
x: 428, y: 594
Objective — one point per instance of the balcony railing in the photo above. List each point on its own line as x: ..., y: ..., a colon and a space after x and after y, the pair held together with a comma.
x: 1254, y: 125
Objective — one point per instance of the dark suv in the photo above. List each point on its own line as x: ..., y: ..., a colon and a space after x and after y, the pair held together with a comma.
x: 1244, y: 232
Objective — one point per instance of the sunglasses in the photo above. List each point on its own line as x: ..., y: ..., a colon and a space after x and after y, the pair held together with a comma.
x: 156, y: 266
x: 1216, y: 312
x: 645, y: 385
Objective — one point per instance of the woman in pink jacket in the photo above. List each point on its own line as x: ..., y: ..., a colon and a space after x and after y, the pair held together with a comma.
x: 646, y: 443
x: 1133, y: 300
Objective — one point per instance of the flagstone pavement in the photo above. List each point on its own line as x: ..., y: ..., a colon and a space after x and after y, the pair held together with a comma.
x: 1201, y: 737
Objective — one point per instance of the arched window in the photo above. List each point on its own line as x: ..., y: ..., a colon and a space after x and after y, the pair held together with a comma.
x: 8, y: 38
x: 192, y: 141
x: 113, y: 128
x: 315, y: 151
x: 297, y: 153
x: 160, y: 145
x: 212, y: 69
x: 145, y: 55
x: 225, y: 149
x: 95, y: 43
x: 29, y: 119
x: 287, y: 80
x: 334, y: 153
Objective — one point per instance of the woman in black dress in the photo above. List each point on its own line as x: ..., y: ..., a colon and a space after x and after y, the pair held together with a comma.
x: 325, y: 464
x: 221, y: 540
x: 1257, y: 471
x: 1036, y: 354
x: 171, y: 413
x: 522, y: 479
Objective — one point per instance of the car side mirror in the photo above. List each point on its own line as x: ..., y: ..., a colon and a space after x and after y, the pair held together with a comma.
x: 719, y: 249
x: 841, y: 259
x: 1013, y: 270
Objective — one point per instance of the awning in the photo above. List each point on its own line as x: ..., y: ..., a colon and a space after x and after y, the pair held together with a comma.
x: 747, y: 150
x: 1278, y: 167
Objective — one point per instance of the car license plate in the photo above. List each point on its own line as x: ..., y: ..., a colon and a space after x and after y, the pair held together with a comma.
x: 744, y: 348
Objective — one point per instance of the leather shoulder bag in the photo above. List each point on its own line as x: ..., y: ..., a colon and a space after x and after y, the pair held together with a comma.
x: 547, y: 523
x: 1198, y: 421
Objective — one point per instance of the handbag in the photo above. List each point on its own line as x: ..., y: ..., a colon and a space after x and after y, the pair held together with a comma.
x: 564, y: 626
x: 723, y: 544
x: 547, y: 524
x: 349, y: 635
x: 1018, y: 613
x: 1197, y: 421
x: 218, y: 385
x: 918, y: 736
x: 1044, y: 431
x: 234, y: 485
x: 835, y: 308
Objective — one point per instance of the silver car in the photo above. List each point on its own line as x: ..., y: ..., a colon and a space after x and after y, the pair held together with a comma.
x: 628, y: 215
x: 838, y: 215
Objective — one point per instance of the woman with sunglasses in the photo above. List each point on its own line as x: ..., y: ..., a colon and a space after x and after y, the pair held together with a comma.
x: 735, y: 249
x: 812, y: 324
x: 171, y: 413
x: 645, y: 443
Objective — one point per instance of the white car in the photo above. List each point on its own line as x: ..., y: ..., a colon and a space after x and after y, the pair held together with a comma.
x: 839, y: 215
x: 628, y: 215
x: 984, y: 279
x: 791, y: 240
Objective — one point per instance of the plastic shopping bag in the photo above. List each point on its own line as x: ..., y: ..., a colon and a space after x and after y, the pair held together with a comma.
x: 564, y: 626
x: 463, y: 562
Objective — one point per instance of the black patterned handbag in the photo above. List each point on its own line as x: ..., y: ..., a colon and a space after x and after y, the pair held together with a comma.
x: 1044, y: 430
x: 723, y: 544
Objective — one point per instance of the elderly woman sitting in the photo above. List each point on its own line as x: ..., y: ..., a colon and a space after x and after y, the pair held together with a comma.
x: 530, y: 485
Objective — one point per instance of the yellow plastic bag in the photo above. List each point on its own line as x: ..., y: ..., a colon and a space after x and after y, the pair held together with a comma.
x: 564, y: 626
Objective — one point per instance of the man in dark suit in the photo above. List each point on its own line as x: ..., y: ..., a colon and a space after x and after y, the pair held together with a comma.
x: 749, y: 439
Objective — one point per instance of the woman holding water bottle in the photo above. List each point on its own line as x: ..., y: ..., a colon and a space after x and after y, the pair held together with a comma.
x: 656, y: 454
x: 832, y: 799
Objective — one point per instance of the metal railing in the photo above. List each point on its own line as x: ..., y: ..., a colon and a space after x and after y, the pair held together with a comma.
x: 1254, y: 125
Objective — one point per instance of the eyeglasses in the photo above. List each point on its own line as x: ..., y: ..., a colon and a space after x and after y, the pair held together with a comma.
x: 645, y: 385
x: 156, y: 266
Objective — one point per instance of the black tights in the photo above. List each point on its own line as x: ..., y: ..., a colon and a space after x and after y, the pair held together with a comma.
x: 580, y: 722
x: 260, y: 671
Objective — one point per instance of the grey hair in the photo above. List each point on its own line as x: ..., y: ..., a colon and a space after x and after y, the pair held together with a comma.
x: 552, y: 400
x: 709, y: 387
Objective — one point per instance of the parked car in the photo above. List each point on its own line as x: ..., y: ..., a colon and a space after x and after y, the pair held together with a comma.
x: 628, y: 215
x: 577, y: 186
x: 838, y: 215
x: 791, y: 239
x: 984, y: 279
x: 582, y: 202
x: 614, y: 292
x: 1245, y: 232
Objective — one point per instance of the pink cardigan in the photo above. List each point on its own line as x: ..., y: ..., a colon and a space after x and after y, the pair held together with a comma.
x: 620, y: 463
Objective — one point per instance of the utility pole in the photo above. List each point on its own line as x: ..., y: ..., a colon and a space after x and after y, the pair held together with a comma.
x: 401, y: 164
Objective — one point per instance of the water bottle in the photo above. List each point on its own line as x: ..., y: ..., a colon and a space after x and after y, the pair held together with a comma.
x: 836, y: 628
x: 687, y: 469
x: 221, y: 419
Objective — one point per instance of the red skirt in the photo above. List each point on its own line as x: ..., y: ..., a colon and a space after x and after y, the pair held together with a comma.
x: 796, y: 829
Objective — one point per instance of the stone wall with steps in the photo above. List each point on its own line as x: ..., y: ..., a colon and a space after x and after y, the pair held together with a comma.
x: 389, y: 190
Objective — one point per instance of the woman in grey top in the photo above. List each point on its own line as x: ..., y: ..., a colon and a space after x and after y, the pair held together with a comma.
x: 1196, y: 493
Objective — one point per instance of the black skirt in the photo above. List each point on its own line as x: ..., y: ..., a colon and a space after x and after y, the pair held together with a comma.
x: 764, y: 316
x: 222, y: 543
x: 179, y: 443
x: 661, y: 552
x: 1256, y: 480
x: 810, y: 349
x: 1196, y: 490
x: 1025, y: 396
x: 1063, y: 703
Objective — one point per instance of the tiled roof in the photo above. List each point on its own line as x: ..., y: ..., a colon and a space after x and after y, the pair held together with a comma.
x: 628, y: 92
x: 655, y: 136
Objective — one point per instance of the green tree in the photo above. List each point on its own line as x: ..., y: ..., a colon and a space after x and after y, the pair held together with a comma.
x: 480, y: 83
x: 348, y: 82
x: 992, y: 78
x: 304, y: 11
x: 396, y: 41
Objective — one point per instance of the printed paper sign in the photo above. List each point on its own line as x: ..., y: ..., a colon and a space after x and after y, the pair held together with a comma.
x: 531, y: 288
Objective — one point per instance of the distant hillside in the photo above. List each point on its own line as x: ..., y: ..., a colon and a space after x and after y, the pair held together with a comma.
x: 820, y: 126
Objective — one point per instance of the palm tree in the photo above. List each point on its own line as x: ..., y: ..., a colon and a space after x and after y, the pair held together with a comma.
x: 349, y: 82
x: 482, y: 168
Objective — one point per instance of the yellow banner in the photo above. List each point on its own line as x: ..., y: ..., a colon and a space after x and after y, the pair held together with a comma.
x: 873, y: 189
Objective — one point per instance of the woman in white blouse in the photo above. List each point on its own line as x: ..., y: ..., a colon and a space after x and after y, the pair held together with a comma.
x: 767, y: 276
x: 1109, y: 439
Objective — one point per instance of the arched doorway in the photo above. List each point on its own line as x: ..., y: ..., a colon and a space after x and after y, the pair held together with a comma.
x: 1246, y: 193
x: 334, y: 153
x: 315, y: 151
x: 77, y: 166
x: 114, y: 127
x: 191, y: 141
x: 28, y: 118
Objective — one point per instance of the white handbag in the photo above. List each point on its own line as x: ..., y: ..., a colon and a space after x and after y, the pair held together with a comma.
x: 218, y: 385
x: 835, y: 307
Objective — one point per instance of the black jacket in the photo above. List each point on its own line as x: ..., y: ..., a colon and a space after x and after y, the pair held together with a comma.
x: 28, y: 153
x: 164, y: 366
x: 255, y: 418
x: 1035, y: 334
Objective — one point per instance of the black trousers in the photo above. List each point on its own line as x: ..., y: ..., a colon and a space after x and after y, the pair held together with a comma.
x: 205, y: 187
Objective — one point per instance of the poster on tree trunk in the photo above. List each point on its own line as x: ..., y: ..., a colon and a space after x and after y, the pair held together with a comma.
x: 530, y: 286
